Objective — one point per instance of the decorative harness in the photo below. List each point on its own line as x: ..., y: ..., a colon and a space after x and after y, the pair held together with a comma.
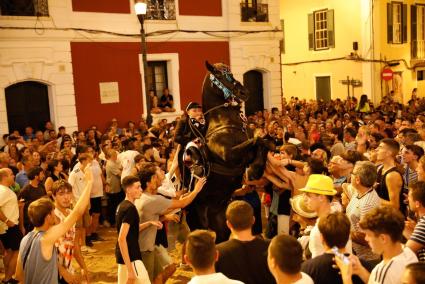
x: 226, y: 91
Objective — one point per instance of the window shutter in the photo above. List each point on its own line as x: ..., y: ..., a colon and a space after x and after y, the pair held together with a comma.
x: 389, y: 23
x: 282, y: 42
x: 331, y: 28
x: 413, y: 23
x: 404, y: 23
x: 413, y: 30
x: 310, y: 31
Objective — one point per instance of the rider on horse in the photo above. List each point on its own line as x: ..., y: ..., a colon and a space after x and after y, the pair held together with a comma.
x: 190, y: 133
x: 191, y: 126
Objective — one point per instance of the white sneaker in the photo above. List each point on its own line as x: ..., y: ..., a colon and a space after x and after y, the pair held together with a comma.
x: 87, y: 249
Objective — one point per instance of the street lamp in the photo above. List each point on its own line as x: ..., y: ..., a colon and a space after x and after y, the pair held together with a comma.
x: 140, y: 8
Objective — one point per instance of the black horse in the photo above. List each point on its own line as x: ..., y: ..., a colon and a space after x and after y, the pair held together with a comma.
x: 231, y: 151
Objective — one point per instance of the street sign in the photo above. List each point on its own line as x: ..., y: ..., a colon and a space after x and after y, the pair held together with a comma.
x: 387, y: 74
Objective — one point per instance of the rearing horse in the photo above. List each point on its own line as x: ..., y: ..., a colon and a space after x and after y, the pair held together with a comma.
x: 230, y: 150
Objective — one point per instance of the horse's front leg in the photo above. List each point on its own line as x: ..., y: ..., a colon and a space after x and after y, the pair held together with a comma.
x: 259, y: 158
x: 252, y: 144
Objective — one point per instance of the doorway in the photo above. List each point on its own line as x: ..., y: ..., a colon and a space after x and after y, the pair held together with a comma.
x: 27, y: 104
x: 323, y: 88
x: 253, y: 81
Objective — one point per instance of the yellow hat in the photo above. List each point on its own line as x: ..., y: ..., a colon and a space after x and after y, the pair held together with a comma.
x: 319, y: 184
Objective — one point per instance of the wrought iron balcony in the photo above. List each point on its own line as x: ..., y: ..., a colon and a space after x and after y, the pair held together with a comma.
x: 254, y: 12
x: 418, y: 49
x: 24, y: 8
x: 161, y: 10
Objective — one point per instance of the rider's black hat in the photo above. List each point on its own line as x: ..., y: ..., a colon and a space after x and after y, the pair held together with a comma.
x: 192, y: 105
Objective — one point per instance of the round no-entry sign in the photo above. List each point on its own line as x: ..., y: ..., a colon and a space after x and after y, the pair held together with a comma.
x: 387, y: 74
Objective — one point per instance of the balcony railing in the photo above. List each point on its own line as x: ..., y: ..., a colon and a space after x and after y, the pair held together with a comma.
x: 254, y: 12
x: 161, y: 10
x: 24, y: 8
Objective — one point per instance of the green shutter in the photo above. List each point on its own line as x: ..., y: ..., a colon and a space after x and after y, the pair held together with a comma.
x: 404, y: 23
x: 282, y: 42
x: 389, y: 23
x: 310, y: 31
x: 331, y: 28
x: 413, y: 23
x: 413, y: 30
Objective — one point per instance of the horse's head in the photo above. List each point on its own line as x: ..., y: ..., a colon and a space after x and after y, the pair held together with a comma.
x: 222, y: 80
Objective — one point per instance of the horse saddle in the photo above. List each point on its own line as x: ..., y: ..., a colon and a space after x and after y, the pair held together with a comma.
x: 195, y: 158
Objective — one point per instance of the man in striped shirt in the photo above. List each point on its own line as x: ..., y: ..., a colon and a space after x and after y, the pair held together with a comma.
x: 363, y: 200
x: 411, y: 155
x: 383, y: 227
x: 415, y: 232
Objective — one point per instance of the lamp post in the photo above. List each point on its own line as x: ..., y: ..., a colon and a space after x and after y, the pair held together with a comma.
x: 140, y: 8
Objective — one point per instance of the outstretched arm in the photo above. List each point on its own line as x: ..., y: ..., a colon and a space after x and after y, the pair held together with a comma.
x: 183, y: 202
x: 175, y: 164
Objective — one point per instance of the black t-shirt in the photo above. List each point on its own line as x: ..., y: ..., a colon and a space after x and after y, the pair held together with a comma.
x: 284, y: 206
x: 127, y: 213
x: 321, y: 271
x: 244, y: 261
x: 30, y: 194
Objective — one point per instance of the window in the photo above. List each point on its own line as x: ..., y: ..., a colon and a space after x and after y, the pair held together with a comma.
x: 420, y: 75
x: 417, y: 31
x: 252, y: 11
x: 396, y: 23
x: 321, y: 30
x: 24, y: 8
x: 157, y: 76
x: 161, y: 10
x: 420, y: 22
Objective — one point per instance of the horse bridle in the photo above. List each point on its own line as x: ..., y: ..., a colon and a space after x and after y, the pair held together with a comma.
x: 226, y: 91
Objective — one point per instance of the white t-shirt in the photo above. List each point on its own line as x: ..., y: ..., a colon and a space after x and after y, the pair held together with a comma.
x: 9, y: 207
x: 315, y: 245
x: 213, y: 279
x: 127, y: 162
x: 97, y: 187
x: 306, y: 279
x: 392, y: 271
x: 77, y: 181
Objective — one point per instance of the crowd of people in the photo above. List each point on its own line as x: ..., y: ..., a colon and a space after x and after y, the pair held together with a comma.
x: 341, y: 200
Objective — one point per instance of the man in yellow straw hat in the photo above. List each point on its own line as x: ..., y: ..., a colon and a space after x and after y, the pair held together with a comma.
x: 318, y: 193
